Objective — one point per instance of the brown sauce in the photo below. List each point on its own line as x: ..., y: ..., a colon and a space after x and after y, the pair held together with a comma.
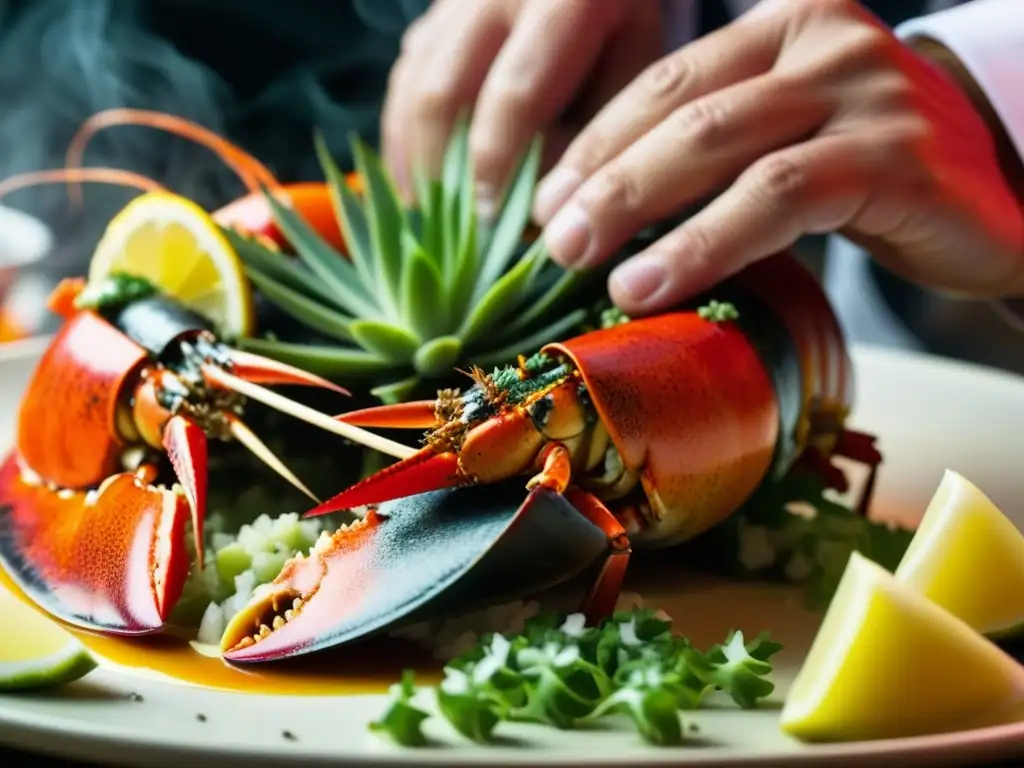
x: 368, y: 667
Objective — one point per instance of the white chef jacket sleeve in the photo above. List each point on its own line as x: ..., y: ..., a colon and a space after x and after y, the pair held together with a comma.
x: 987, y: 36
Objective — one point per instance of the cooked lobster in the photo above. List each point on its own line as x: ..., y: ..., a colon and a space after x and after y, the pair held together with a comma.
x: 645, y: 433
x: 84, y: 530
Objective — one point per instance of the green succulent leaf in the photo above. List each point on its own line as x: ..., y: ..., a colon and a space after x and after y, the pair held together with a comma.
x: 461, y: 292
x: 504, y: 296
x: 438, y: 356
x: 458, y: 186
x: 515, y: 215
x: 329, y: 265
x: 350, y: 215
x: 534, y: 341
x: 282, y: 268
x: 430, y: 199
x: 332, y: 362
x: 396, y: 392
x: 387, y: 341
x: 387, y: 220
x: 559, y: 292
x: 315, y: 315
x: 423, y: 304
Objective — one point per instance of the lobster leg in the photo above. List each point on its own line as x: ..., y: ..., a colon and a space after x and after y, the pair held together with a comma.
x: 185, y: 443
x: 556, y: 468
x: 419, y: 414
x: 424, y: 471
x: 263, y: 370
x: 600, y: 601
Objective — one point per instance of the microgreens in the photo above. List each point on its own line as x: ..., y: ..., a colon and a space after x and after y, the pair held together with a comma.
x: 562, y: 674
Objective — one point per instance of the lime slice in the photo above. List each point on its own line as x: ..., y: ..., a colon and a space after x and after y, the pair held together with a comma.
x: 969, y: 558
x: 35, y: 652
x: 888, y: 663
x: 174, y: 244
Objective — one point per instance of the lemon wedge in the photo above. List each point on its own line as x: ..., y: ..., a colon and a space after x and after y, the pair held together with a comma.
x: 174, y: 244
x: 36, y: 652
x: 969, y: 558
x: 889, y: 663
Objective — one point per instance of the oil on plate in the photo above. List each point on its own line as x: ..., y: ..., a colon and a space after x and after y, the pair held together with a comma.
x: 930, y: 414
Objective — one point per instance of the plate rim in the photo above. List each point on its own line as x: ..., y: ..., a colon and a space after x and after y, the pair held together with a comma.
x: 84, y: 740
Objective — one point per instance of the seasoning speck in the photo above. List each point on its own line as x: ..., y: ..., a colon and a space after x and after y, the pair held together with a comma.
x: 134, y: 697
x: 201, y: 717
x: 289, y: 736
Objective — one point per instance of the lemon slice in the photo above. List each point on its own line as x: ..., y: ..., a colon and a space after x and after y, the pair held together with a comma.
x: 889, y: 663
x: 174, y: 244
x: 36, y: 652
x: 969, y: 558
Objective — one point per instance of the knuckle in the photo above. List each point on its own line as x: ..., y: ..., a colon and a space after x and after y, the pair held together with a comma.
x: 704, y: 121
x: 869, y: 45
x: 587, y: 152
x: 435, y: 98
x: 895, y: 93
x: 778, y: 180
x: 666, y: 78
x: 616, y: 189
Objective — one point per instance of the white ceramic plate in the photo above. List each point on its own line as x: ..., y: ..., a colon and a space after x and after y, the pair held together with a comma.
x: 930, y: 414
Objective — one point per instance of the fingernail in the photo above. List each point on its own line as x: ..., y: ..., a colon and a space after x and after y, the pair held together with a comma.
x: 553, y: 191
x: 638, y: 279
x: 568, y: 235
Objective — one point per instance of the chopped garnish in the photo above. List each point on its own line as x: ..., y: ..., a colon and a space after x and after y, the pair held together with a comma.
x: 560, y: 673
x: 718, y: 311
x: 401, y: 720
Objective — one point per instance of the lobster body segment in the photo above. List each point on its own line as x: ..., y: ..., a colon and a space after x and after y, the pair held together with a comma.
x: 689, y: 407
x: 653, y: 431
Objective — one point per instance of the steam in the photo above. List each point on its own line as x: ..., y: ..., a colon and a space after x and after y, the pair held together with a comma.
x: 63, y: 60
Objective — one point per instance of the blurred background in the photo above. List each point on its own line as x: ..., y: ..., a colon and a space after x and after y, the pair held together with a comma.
x: 63, y: 60
x: 266, y: 80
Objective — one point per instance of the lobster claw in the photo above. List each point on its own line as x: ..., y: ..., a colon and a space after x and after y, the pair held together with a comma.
x: 459, y: 550
x: 109, y: 559
x: 424, y: 471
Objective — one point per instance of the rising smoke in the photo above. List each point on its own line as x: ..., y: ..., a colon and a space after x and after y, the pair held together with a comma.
x: 64, y: 60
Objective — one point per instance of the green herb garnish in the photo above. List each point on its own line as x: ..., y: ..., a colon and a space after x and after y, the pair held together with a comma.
x: 718, y: 311
x: 114, y: 291
x: 559, y: 673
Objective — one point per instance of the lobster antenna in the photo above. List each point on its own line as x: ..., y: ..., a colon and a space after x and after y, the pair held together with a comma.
x: 304, y: 413
x: 241, y: 432
x: 111, y: 176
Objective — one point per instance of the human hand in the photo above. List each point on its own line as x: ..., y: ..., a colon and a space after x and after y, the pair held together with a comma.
x: 519, y: 64
x: 805, y: 116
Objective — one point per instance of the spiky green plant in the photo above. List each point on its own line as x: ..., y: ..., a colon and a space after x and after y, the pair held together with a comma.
x: 426, y: 289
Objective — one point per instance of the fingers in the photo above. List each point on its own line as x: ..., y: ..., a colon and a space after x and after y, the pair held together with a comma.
x: 444, y: 62
x: 732, y: 54
x: 550, y: 51
x: 697, y: 150
x: 815, y: 187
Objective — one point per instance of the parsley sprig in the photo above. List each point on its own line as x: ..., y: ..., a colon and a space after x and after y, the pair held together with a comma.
x: 562, y: 674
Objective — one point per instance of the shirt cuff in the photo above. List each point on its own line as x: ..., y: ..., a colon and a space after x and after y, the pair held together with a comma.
x: 987, y: 36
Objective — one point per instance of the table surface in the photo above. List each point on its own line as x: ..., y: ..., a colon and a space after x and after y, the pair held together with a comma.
x: 12, y: 757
